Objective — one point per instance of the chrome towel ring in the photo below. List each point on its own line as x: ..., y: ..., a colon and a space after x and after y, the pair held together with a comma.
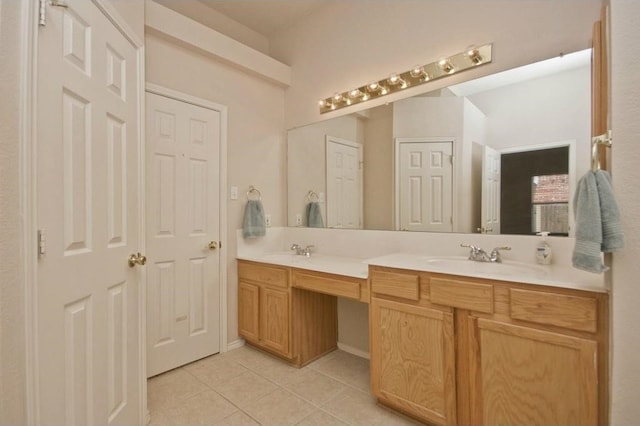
x: 253, y: 190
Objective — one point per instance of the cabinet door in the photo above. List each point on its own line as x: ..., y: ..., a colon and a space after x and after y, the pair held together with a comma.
x: 413, y: 360
x: 274, y: 320
x: 535, y: 377
x: 248, y: 311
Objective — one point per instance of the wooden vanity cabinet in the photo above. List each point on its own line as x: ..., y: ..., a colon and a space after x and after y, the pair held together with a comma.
x: 264, y: 300
x: 295, y: 324
x: 412, y: 349
x: 520, y: 354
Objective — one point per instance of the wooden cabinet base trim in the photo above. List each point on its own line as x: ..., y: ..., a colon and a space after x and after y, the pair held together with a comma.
x: 411, y: 409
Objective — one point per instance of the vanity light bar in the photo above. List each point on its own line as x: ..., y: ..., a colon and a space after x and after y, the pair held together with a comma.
x: 420, y: 74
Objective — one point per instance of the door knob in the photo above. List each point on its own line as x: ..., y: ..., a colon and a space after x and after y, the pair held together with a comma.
x: 212, y: 245
x: 137, y: 259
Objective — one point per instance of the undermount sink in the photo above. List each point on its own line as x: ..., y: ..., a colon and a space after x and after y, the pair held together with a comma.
x: 464, y: 265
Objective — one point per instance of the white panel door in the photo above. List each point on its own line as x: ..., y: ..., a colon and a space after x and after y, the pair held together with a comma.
x: 490, y: 216
x: 344, y: 183
x: 425, y: 173
x: 88, y: 194
x: 183, y: 219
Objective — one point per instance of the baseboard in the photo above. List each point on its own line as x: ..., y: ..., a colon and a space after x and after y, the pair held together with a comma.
x: 353, y: 351
x: 235, y: 344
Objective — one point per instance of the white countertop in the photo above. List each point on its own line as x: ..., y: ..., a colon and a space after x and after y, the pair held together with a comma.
x: 549, y: 275
x: 339, y: 265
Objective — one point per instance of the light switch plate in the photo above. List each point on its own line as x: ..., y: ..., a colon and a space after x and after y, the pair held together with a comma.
x: 233, y: 193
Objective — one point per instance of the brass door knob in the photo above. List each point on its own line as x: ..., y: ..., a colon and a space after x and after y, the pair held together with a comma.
x: 137, y: 259
x: 212, y: 245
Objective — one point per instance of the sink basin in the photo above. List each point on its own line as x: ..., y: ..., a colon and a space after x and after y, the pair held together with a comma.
x: 462, y: 265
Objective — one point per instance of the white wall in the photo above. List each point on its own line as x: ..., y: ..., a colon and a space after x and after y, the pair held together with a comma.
x: 555, y: 108
x: 347, y: 44
x: 12, y: 363
x: 378, y: 169
x: 625, y: 110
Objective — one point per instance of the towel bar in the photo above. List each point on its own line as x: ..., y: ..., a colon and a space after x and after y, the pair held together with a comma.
x: 312, y: 194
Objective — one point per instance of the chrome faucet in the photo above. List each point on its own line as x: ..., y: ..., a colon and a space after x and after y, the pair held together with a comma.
x: 495, y: 254
x: 478, y: 254
x: 302, y: 251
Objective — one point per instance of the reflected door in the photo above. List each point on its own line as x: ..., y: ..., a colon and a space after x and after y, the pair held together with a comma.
x: 88, y: 334
x: 425, y: 186
x: 183, y: 286
x: 490, y: 217
x: 344, y: 183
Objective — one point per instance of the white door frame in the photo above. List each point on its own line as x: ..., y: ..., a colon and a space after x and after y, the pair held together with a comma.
x: 222, y: 109
x: 28, y: 198
x: 396, y: 177
x: 572, y: 168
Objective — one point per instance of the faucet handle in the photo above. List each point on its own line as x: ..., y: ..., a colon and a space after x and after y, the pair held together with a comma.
x: 294, y: 246
x: 501, y: 248
x: 470, y: 246
x: 495, y: 254
x: 307, y: 250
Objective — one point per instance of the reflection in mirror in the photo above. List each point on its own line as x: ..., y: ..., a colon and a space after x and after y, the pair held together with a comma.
x: 440, y: 161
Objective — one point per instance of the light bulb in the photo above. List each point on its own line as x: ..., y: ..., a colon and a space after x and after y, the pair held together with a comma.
x: 446, y: 66
x: 474, y: 56
x: 337, y: 97
x: 355, y: 93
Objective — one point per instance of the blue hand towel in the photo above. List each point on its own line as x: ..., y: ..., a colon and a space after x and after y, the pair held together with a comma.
x: 598, y: 226
x: 586, y: 208
x: 612, y: 237
x: 314, y: 215
x: 253, y: 225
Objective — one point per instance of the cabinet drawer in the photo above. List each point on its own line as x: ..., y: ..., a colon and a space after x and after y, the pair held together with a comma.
x: 269, y: 275
x: 326, y: 285
x: 461, y: 294
x: 568, y: 311
x: 405, y: 286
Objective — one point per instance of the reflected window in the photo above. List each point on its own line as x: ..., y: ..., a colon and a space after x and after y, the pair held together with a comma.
x: 550, y: 204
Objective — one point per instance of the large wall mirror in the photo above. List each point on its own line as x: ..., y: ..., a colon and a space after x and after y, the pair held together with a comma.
x: 500, y: 154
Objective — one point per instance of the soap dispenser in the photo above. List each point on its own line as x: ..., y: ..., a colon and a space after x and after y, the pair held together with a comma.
x: 543, y: 250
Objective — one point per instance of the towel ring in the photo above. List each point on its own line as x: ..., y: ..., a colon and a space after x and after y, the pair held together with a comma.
x: 253, y: 190
x: 597, y: 141
x: 311, y: 195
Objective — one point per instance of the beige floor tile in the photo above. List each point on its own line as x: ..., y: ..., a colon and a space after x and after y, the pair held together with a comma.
x: 321, y: 418
x: 171, y: 388
x: 204, y: 408
x: 314, y: 387
x: 359, y: 408
x: 251, y: 358
x: 279, y: 408
x: 159, y: 418
x: 277, y: 371
x: 215, y: 369
x: 347, y: 368
x: 239, y: 418
x: 245, y: 388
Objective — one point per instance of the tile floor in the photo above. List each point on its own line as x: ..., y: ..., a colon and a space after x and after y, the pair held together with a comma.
x: 248, y: 387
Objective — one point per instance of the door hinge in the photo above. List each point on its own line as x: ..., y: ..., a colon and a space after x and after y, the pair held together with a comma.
x: 42, y: 13
x: 42, y: 9
x: 452, y: 158
x: 220, y: 244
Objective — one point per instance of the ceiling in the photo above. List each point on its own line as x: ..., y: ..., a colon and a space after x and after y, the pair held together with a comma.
x: 265, y: 16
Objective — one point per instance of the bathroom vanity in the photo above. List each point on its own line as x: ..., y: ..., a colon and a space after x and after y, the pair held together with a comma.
x: 451, y: 342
